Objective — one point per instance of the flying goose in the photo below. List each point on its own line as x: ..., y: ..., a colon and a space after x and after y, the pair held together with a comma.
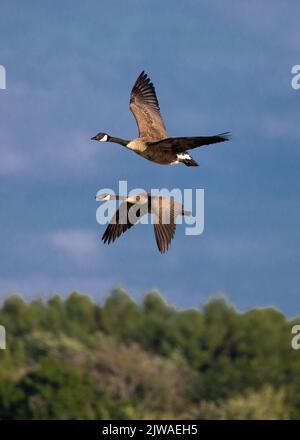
x: 133, y: 208
x: 153, y: 142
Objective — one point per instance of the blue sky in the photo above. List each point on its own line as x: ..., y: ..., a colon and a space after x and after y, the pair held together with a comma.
x: 217, y: 66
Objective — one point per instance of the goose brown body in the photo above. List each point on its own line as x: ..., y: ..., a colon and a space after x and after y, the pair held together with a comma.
x: 153, y: 142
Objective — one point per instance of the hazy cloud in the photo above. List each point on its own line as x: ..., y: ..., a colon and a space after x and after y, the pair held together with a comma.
x: 12, y: 161
x: 79, y: 245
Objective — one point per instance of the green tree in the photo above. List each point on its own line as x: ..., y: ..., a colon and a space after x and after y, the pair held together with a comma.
x: 58, y: 391
x: 120, y: 316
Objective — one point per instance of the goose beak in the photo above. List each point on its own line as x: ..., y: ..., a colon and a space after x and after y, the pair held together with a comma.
x: 93, y: 138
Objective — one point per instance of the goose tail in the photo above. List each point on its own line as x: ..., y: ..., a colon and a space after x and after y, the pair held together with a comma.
x: 190, y: 162
x: 187, y: 160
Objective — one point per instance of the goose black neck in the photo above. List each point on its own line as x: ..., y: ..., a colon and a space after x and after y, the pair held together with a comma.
x: 117, y: 140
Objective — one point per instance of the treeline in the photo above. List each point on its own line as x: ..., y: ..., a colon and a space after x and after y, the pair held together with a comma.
x: 75, y: 359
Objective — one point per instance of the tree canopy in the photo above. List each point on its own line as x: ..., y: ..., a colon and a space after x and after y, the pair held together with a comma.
x: 75, y: 359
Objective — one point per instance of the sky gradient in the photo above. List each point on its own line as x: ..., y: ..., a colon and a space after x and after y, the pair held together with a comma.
x: 217, y: 66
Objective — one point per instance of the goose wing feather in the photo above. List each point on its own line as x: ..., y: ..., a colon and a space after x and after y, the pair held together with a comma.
x: 182, y: 144
x: 123, y: 220
x: 164, y: 211
x: 145, y: 108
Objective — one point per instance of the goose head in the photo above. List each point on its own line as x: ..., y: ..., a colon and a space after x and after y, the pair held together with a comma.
x: 103, y: 197
x: 101, y: 137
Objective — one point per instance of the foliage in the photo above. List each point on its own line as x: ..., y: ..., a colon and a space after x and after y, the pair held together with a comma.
x: 75, y: 359
x: 264, y: 404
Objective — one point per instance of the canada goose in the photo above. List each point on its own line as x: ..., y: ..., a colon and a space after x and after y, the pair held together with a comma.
x: 153, y: 142
x: 133, y: 208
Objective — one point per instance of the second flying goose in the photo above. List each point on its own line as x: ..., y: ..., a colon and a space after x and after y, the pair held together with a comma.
x: 133, y: 208
x: 153, y: 142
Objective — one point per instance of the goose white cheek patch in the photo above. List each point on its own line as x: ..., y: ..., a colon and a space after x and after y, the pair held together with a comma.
x: 104, y: 139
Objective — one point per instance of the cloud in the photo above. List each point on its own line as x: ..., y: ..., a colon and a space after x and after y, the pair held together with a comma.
x: 234, y: 249
x: 44, y: 146
x: 281, y: 127
x: 44, y: 286
x: 12, y: 161
x: 79, y: 245
x: 263, y: 19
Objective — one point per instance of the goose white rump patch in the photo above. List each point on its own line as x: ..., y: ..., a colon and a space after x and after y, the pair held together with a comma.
x: 183, y: 156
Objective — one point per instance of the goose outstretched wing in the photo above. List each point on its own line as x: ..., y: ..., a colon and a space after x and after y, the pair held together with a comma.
x: 125, y: 217
x: 182, y: 144
x: 145, y: 108
x: 164, y: 213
